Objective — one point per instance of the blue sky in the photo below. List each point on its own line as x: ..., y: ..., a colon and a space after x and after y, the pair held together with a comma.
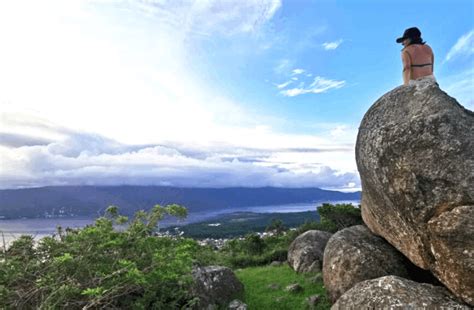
x: 207, y: 93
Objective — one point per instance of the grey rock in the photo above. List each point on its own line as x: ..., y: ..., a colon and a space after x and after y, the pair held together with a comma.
x: 452, y: 245
x: 294, y: 288
x: 237, y: 305
x: 415, y: 156
x: 215, y: 286
x: 276, y: 263
x: 312, y: 301
x: 354, y: 255
x: 392, y: 292
x: 305, y: 253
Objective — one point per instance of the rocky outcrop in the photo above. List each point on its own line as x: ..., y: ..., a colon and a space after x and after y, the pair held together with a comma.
x: 452, y: 245
x: 415, y: 155
x: 305, y: 253
x: 353, y: 255
x: 215, y: 286
x: 393, y: 292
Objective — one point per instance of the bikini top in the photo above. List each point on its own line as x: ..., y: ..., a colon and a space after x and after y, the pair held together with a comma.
x: 420, y: 65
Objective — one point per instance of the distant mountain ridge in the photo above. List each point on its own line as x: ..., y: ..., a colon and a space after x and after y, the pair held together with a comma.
x: 92, y: 200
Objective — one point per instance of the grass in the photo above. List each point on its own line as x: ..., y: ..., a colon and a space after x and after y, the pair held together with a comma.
x: 258, y: 296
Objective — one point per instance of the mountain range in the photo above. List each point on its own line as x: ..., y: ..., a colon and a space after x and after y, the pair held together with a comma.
x: 62, y: 201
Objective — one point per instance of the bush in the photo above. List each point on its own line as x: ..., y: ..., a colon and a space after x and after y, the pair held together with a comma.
x: 339, y: 216
x: 101, y: 267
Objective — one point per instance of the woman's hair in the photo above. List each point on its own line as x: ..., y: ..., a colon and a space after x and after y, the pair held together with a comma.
x: 418, y: 40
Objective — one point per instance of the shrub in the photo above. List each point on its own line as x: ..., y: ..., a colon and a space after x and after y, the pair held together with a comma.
x: 101, y: 267
x: 339, y: 216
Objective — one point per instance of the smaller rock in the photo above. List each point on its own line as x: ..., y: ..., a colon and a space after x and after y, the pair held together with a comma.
x: 353, y: 255
x: 312, y: 301
x: 294, y: 288
x: 215, y: 286
x: 273, y: 286
x: 280, y: 299
x: 306, y: 252
x: 276, y: 263
x: 237, y: 305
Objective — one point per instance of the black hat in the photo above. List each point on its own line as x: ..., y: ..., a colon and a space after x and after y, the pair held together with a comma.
x: 410, y: 33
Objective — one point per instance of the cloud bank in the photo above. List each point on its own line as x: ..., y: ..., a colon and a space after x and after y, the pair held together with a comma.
x: 92, y: 159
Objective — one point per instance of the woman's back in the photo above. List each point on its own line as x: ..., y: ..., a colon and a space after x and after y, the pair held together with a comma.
x: 421, y: 60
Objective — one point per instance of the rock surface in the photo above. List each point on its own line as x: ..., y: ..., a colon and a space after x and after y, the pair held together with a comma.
x: 415, y: 155
x: 312, y: 301
x: 237, y: 305
x: 452, y: 245
x: 215, y: 286
x: 393, y: 292
x: 354, y: 255
x: 305, y: 253
x: 294, y: 288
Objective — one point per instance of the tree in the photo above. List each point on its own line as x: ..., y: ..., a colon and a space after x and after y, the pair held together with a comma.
x: 339, y: 216
x: 276, y: 226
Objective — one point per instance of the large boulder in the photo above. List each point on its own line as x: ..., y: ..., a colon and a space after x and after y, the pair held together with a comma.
x: 215, y: 286
x: 393, y: 292
x: 305, y: 253
x: 353, y: 255
x: 415, y: 155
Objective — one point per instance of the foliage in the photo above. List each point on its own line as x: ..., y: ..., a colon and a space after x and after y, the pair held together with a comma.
x: 339, y: 216
x: 258, y: 294
x: 256, y: 251
x: 100, y: 266
x: 253, y: 250
x: 276, y: 226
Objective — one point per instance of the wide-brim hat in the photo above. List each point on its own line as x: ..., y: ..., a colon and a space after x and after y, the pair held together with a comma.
x: 410, y: 33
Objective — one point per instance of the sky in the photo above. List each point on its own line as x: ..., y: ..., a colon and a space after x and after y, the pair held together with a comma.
x: 207, y: 93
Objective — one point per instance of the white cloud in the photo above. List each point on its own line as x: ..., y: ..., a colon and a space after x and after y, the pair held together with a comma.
x: 463, y: 46
x: 283, y: 85
x: 319, y: 85
x: 260, y: 158
x: 332, y: 45
x: 121, y: 69
x: 460, y: 86
x: 212, y: 16
x: 297, y: 71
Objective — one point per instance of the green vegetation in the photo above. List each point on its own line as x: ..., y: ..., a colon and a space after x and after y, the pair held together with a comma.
x: 258, y: 294
x: 120, y: 263
x: 101, y: 267
x: 339, y: 216
x: 254, y: 250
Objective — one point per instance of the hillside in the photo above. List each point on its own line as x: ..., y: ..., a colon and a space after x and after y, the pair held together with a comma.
x: 91, y: 200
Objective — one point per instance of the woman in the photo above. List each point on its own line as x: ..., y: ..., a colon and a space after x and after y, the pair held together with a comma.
x: 417, y: 57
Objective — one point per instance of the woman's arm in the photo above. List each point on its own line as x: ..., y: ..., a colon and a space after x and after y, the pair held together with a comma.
x: 432, y: 62
x: 406, y: 67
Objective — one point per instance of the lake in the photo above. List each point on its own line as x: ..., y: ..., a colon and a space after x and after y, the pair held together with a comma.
x: 12, y: 229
